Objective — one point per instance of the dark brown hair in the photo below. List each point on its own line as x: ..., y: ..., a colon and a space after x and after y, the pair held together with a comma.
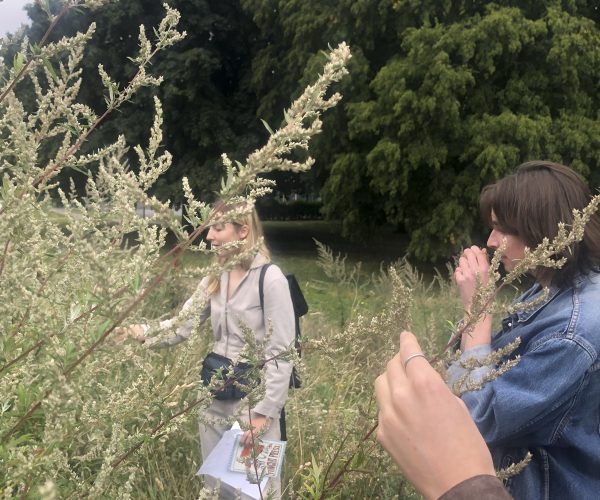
x: 530, y: 204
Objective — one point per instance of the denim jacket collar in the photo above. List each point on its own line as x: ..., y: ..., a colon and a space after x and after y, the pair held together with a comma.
x: 532, y: 294
x: 535, y: 290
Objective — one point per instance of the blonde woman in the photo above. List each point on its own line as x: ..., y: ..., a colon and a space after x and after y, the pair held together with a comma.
x: 234, y: 302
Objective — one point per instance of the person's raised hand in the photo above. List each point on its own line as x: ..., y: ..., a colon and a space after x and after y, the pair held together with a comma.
x: 424, y: 427
x: 473, y: 267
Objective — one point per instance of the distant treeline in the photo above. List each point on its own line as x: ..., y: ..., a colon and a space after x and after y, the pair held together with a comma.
x: 273, y: 209
x: 442, y: 98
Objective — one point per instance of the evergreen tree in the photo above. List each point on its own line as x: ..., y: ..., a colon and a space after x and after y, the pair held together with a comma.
x: 444, y: 98
x: 209, y: 105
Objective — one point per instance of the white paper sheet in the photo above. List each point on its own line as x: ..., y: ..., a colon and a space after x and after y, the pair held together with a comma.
x: 217, y: 465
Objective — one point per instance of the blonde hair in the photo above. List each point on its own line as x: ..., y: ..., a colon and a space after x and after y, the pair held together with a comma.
x: 252, y: 239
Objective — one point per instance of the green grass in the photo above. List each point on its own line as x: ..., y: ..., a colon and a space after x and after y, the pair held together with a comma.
x: 336, y: 403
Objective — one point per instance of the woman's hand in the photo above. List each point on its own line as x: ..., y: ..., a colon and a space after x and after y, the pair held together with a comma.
x: 134, y: 331
x: 473, y: 267
x: 257, y: 424
x: 424, y: 427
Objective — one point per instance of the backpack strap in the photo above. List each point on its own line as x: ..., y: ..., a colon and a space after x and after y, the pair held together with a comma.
x: 261, y: 285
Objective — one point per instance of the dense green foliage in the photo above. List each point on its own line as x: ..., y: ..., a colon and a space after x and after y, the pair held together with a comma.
x: 444, y: 98
x: 82, y: 408
x: 209, y: 105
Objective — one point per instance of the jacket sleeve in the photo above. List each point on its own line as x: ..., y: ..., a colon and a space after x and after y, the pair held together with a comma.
x: 278, y: 316
x: 184, y: 322
x: 481, y: 487
x: 547, y: 375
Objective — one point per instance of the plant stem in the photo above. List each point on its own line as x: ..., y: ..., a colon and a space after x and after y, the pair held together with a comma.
x: 25, y: 67
x: 254, y: 464
x: 335, y: 481
x: 4, y: 255
x: 156, y: 429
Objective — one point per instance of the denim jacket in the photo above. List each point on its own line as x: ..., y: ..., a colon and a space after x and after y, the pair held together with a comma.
x: 549, y: 403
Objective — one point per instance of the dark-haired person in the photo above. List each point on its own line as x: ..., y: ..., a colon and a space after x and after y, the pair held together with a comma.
x: 549, y: 403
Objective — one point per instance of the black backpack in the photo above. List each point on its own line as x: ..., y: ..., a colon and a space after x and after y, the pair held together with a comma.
x: 300, y: 309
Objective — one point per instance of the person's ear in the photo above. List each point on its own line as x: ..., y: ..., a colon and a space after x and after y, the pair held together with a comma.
x: 243, y: 231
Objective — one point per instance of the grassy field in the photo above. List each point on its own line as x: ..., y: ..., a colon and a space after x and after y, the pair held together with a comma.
x: 357, y: 310
x: 296, y: 238
x: 347, y: 343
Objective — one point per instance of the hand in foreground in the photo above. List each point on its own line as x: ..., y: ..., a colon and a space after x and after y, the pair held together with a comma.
x: 134, y: 331
x: 473, y: 265
x: 424, y: 427
x: 258, y: 422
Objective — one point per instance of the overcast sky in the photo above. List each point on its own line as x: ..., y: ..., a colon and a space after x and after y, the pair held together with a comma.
x: 12, y: 15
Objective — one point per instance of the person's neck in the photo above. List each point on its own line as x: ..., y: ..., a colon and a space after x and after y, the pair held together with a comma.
x: 235, y: 277
x: 237, y: 271
x: 544, y: 283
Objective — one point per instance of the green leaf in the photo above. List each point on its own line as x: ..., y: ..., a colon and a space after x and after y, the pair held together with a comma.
x: 50, y: 68
x: 270, y: 130
x: 137, y: 280
x: 18, y: 62
x: 45, y: 6
x: 35, y: 49
x: 111, y: 94
x: 103, y: 327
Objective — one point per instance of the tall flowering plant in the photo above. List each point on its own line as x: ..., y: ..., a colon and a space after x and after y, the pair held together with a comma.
x: 75, y: 406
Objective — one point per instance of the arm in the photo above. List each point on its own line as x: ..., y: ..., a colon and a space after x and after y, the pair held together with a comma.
x: 473, y: 267
x: 183, y: 323
x: 426, y: 429
x: 507, y: 407
x: 482, y: 487
x: 278, y: 315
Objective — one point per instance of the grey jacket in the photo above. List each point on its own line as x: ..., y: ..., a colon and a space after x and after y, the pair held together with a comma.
x: 243, y: 308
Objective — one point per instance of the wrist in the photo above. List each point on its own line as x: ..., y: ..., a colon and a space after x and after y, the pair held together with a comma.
x: 482, y: 484
x: 479, y: 333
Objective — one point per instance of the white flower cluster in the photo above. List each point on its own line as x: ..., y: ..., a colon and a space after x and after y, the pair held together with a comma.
x: 78, y: 409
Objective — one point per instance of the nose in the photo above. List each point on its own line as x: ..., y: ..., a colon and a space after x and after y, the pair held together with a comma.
x: 210, y: 235
x: 494, y: 240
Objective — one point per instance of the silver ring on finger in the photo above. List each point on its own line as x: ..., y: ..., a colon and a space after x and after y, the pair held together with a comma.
x: 413, y: 356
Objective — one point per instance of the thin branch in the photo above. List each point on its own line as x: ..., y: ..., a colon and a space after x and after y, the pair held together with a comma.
x: 156, y: 429
x: 26, y: 416
x: 115, y: 105
x: 335, y: 481
x: 254, y: 461
x: 4, y: 254
x: 85, y: 134
x: 25, y: 67
x: 44, y: 341
x: 39, y: 291
x: 335, y: 455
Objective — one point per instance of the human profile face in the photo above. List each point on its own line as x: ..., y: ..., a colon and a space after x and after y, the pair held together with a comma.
x: 514, y: 250
x: 222, y: 233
